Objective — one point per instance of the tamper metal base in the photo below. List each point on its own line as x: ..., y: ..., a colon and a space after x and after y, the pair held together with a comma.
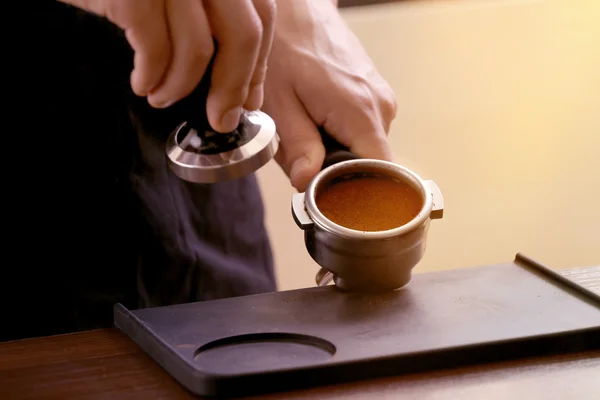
x: 209, y: 157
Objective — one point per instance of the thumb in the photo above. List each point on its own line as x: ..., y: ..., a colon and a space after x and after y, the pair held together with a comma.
x: 301, y: 152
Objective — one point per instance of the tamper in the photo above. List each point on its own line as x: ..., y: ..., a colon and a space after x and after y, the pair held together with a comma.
x: 198, y: 154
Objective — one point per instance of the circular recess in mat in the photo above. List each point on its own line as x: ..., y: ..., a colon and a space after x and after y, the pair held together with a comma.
x: 262, y: 352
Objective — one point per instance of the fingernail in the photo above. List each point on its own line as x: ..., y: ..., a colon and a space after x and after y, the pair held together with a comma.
x: 255, y: 98
x: 160, y: 104
x: 231, y: 119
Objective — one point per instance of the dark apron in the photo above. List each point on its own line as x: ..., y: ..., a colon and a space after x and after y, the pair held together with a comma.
x: 95, y: 216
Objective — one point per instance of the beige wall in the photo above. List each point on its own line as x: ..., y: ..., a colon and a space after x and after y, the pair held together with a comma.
x: 499, y: 103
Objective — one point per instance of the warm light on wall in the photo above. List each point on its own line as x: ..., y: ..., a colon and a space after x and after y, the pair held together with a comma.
x: 499, y: 102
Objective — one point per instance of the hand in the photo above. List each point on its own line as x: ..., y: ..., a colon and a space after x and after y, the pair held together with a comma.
x: 174, y: 41
x: 319, y: 75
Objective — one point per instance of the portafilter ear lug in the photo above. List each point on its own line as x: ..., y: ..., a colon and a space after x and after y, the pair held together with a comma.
x: 299, y: 213
x: 437, y: 211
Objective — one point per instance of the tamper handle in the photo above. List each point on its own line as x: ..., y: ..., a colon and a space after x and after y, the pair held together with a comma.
x: 335, y: 152
x: 192, y: 108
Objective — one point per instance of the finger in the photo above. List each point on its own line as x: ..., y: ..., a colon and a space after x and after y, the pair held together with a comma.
x: 146, y: 30
x: 372, y: 142
x: 360, y: 126
x: 192, y: 49
x: 301, y: 151
x: 238, y: 35
x: 365, y: 129
x: 149, y: 39
x: 367, y: 138
x: 363, y: 134
x: 387, y: 103
x: 266, y: 10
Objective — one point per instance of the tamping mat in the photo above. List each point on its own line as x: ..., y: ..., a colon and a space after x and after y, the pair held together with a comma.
x: 302, y: 338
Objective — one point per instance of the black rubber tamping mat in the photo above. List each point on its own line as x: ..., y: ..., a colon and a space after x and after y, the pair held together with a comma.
x: 303, y: 338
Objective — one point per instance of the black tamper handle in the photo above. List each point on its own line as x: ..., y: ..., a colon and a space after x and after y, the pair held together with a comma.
x: 192, y: 108
x: 335, y: 152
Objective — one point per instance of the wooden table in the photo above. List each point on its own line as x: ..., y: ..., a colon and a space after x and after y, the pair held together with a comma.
x: 105, y: 364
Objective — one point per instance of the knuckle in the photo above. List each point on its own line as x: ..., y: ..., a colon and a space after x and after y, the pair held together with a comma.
x: 118, y: 12
x: 113, y: 10
x: 230, y: 93
x: 292, y: 141
x: 259, y: 76
x: 365, y: 98
x: 237, y: 94
x: 267, y: 11
x: 389, y: 104
x: 251, y: 33
x: 253, y: 36
x: 181, y: 84
x: 197, y: 58
x: 378, y: 100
